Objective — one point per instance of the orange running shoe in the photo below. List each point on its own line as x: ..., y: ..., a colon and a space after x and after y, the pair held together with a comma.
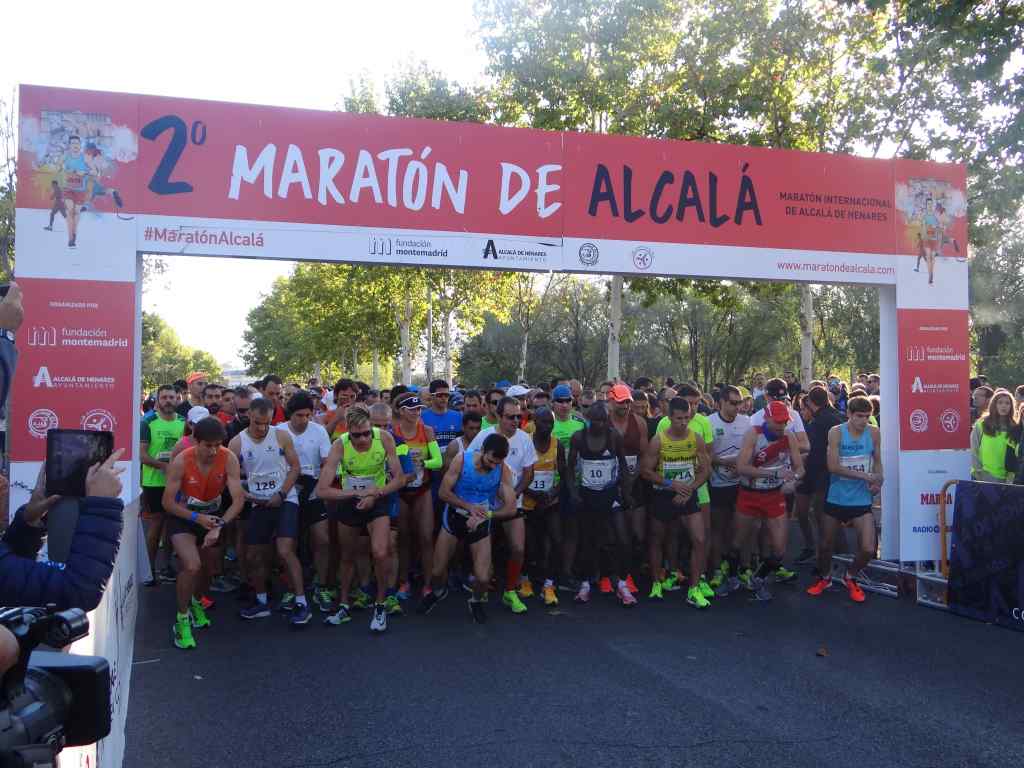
x: 856, y: 593
x: 605, y: 585
x: 631, y: 585
x: 819, y: 586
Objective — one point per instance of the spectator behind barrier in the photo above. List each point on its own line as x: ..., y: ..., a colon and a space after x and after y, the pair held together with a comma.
x: 79, y: 583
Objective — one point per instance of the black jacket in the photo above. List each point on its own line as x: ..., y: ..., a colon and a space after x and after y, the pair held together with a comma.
x: 817, y: 434
x: 79, y: 582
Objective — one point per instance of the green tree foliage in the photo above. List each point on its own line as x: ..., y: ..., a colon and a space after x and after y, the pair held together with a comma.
x: 165, y: 359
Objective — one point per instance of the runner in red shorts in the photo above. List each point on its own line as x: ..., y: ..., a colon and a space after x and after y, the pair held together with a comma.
x: 769, y: 459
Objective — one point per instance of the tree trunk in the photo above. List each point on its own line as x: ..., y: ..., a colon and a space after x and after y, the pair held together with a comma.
x: 355, y: 363
x: 376, y: 369
x: 447, y: 341
x: 404, y: 332
x: 523, y: 348
x: 430, y: 335
x: 806, y: 335
x: 614, y: 327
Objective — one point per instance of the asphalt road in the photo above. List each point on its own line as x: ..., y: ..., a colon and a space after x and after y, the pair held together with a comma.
x: 742, y: 684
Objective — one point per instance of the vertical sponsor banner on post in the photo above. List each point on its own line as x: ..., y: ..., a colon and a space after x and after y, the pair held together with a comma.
x: 934, y: 347
x: 78, y: 195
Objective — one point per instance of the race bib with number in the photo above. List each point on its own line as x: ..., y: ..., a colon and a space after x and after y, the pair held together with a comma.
x: 765, y: 483
x: 631, y: 462
x: 416, y: 456
x: 265, y: 484
x: 543, y: 481
x: 856, y: 463
x: 678, y: 470
x: 359, y: 483
x: 163, y: 456
x: 597, y: 474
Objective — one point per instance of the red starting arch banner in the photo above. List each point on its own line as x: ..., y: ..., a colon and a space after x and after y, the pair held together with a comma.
x: 104, y: 176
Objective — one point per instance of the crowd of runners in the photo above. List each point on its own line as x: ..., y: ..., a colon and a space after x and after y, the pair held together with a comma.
x: 295, y: 497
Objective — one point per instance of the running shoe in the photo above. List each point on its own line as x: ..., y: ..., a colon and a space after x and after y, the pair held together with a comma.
x: 856, y: 593
x: 631, y: 585
x: 511, y: 600
x: 819, y: 586
x: 360, y: 599
x: 705, y: 589
x: 476, y: 610
x: 168, y: 576
x: 550, y: 596
x: 379, y: 622
x: 783, y: 575
x: 341, y: 616
x: 151, y: 583
x: 207, y: 602
x: 806, y: 556
x: 761, y: 592
x: 182, y: 632
x: 404, y: 590
x: 696, y: 599
x: 287, y: 604
x: 220, y: 584
x: 257, y: 610
x: 746, y: 577
x: 323, y: 597
x: 301, y: 615
x: 230, y: 555
x: 430, y: 600
x: 624, y: 595
x: 199, y: 618
x: 393, y: 605
x: 730, y: 585
x: 526, y: 588
x: 657, y: 591
x: 673, y: 582
x: 605, y: 585
x: 583, y: 596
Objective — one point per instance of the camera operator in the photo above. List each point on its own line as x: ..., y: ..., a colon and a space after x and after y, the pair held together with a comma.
x: 78, y: 583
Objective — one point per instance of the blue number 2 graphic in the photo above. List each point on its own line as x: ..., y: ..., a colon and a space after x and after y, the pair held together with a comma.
x: 161, y: 183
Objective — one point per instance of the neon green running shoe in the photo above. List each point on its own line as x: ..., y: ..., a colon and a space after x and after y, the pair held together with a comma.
x: 695, y: 598
x: 182, y: 632
x: 672, y: 582
x: 657, y: 592
x: 199, y: 617
x: 511, y: 599
x: 705, y: 589
x: 360, y: 599
x: 392, y: 605
x: 784, y: 575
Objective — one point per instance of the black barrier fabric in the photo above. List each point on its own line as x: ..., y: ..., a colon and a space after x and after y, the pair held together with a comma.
x: 986, y: 565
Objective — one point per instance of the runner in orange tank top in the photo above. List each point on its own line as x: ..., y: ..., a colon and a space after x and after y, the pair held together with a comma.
x: 196, y: 479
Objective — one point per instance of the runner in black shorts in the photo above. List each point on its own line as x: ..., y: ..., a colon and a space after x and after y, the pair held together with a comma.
x: 365, y: 460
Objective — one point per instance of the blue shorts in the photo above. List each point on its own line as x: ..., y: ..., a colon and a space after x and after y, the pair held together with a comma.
x: 267, y: 522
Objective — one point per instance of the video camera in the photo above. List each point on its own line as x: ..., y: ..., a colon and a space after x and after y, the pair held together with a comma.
x: 50, y: 700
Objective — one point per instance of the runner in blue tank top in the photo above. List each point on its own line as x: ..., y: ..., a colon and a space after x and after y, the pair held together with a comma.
x: 476, y: 488
x: 855, y: 464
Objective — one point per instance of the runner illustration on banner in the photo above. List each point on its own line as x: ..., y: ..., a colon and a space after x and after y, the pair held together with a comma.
x: 929, y: 208
x: 77, y: 155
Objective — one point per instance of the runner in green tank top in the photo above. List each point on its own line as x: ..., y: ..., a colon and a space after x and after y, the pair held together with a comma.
x: 156, y: 439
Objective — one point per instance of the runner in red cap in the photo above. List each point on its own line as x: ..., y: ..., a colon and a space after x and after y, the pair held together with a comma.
x: 769, y: 459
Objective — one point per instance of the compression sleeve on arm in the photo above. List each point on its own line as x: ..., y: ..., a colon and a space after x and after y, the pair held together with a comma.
x: 436, y: 460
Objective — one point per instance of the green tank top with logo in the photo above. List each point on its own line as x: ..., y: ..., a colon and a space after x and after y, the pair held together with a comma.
x: 162, y: 435
x: 362, y: 470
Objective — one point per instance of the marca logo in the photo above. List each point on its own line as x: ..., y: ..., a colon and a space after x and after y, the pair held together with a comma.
x: 932, y: 499
x: 42, y: 336
x: 42, y: 378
